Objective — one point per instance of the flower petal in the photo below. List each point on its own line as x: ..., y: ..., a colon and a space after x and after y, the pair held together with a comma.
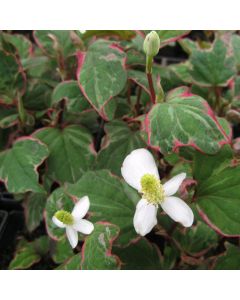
x: 81, y: 208
x: 136, y: 164
x: 58, y: 223
x: 72, y: 236
x: 172, y: 185
x: 178, y: 210
x: 84, y: 226
x: 145, y: 217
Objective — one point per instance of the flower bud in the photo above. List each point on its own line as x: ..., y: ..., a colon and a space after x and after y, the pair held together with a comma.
x: 151, y: 44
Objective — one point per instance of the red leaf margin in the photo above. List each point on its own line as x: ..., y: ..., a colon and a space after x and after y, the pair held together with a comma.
x: 177, y: 144
x: 213, y: 226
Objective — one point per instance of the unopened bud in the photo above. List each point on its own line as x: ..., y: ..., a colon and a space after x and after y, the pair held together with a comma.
x: 151, y: 44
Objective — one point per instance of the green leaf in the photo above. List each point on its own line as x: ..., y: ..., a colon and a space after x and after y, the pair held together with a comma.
x: 121, y: 34
x: 212, y: 67
x: 182, y: 71
x: 169, y: 36
x: 72, y: 263
x: 230, y: 260
x: 71, y: 153
x: 28, y: 254
x: 24, y: 258
x: 18, y: 165
x: 54, y: 41
x: 37, y: 96
x: 119, y: 141
x: 188, y: 45
x: 111, y: 200
x: 101, y: 74
x: 96, y: 251
x: 12, y: 78
x: 34, y: 208
x: 8, y: 117
x: 62, y: 251
x: 69, y: 90
x: 135, y: 58
x: 185, y: 120
x: 140, y: 255
x: 236, y: 49
x: 169, y: 257
x: 58, y: 200
x: 140, y: 79
x: 197, y: 240
x: 218, y: 191
x: 20, y: 42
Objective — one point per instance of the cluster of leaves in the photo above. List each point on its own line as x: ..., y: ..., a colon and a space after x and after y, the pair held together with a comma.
x: 73, y: 105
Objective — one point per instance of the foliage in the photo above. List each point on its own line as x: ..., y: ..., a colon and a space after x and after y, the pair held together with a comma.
x: 73, y: 105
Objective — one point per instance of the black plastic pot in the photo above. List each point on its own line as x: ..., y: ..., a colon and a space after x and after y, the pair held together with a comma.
x: 14, y: 227
x: 8, y: 203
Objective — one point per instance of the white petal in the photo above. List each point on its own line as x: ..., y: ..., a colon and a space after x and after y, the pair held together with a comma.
x: 72, y: 236
x: 84, y: 226
x: 81, y: 208
x: 178, y: 210
x: 172, y: 185
x: 145, y: 217
x: 58, y: 223
x: 136, y: 164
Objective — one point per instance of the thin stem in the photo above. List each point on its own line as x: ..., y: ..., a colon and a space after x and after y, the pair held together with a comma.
x: 61, y: 113
x: 151, y: 88
x: 218, y: 91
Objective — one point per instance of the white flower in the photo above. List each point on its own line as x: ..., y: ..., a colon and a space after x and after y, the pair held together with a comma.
x: 74, y: 222
x: 140, y: 171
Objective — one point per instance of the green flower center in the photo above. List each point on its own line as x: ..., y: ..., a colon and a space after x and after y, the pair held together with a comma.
x: 65, y: 217
x: 152, y: 189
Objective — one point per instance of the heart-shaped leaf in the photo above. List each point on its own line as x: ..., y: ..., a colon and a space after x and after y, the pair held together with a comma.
x: 101, y: 74
x: 212, y: 67
x: 71, y: 152
x: 18, y: 165
x: 119, y: 141
x: 185, y: 120
x: 28, y: 254
x: 111, y: 199
x: 96, y: 251
x: 218, y: 191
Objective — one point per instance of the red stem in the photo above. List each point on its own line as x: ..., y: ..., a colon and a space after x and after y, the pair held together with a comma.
x: 151, y: 88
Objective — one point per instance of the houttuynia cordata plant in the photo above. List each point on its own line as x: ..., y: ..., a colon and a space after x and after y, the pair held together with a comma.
x: 119, y: 149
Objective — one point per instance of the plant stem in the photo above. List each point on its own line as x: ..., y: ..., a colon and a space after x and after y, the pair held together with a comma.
x: 218, y: 91
x: 151, y: 88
